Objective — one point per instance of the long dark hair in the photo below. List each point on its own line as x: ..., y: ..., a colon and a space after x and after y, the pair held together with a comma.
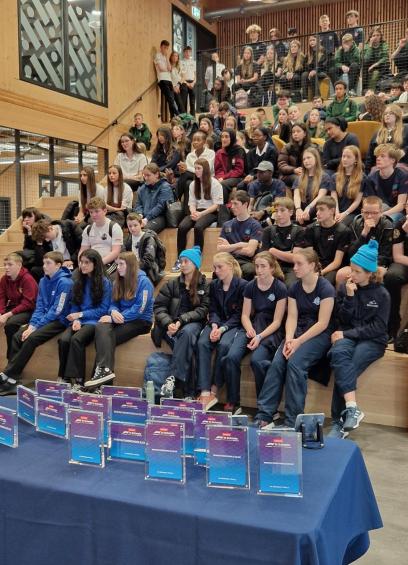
x: 90, y: 186
x: 205, y: 182
x: 110, y: 193
x: 167, y: 147
x: 27, y: 213
x: 95, y: 279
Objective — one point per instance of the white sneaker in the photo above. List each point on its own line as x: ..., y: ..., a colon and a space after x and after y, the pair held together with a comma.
x: 167, y: 387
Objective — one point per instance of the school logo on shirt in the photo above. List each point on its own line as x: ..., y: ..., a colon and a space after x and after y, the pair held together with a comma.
x: 330, y: 238
x: 289, y: 236
x: 372, y: 304
x: 396, y: 233
x: 271, y: 297
x: 228, y: 230
x: 317, y: 301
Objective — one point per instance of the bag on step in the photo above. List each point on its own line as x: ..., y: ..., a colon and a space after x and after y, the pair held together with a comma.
x: 157, y: 369
x: 401, y: 341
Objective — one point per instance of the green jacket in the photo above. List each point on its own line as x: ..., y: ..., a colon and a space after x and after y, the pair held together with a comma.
x: 142, y: 135
x: 347, y: 108
x: 347, y: 57
x: 378, y: 54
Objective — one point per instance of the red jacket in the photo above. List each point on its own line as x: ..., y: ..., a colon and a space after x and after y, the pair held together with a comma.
x: 19, y: 295
x: 221, y: 166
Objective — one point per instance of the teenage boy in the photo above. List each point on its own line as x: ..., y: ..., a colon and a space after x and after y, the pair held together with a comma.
x: 104, y: 236
x: 330, y: 42
x: 258, y: 48
x: 281, y: 238
x: 140, y: 131
x: 283, y: 101
x: 317, y: 104
x: 149, y: 250
x: 188, y: 78
x: 163, y: 71
x: 48, y: 320
x: 389, y: 182
x: 342, y: 105
x: 18, y: 292
x: 354, y: 29
x: 242, y: 235
x: 264, y: 190
x: 294, y: 115
x: 400, y: 55
x: 370, y: 224
x: 397, y: 274
x: 64, y: 236
x: 213, y: 71
x: 347, y: 62
x: 329, y: 239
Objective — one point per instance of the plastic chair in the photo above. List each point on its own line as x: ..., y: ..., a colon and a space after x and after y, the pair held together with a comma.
x: 364, y: 130
x: 278, y: 142
x: 318, y: 141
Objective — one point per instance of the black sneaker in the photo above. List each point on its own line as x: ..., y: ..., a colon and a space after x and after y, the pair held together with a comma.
x: 7, y: 388
x: 101, y: 375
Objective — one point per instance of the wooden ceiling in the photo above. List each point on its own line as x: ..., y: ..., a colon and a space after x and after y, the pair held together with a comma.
x: 212, y: 5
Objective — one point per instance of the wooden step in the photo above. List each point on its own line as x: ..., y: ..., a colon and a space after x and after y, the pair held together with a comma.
x: 15, y: 237
x: 58, y: 202
x: 169, y: 238
x: 382, y: 392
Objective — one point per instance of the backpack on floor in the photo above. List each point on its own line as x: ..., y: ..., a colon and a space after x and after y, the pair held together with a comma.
x: 157, y: 369
x: 401, y: 341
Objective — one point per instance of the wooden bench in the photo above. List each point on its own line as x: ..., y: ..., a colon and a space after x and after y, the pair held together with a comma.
x: 382, y: 393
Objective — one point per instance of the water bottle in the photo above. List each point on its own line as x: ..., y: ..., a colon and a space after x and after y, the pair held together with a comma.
x: 150, y: 392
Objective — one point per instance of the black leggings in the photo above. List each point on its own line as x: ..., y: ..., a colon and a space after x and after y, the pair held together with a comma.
x: 199, y: 227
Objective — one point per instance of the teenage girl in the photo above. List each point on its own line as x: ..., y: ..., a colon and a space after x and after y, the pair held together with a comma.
x: 119, y: 195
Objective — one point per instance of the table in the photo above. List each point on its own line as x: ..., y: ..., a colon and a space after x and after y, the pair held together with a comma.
x: 53, y: 512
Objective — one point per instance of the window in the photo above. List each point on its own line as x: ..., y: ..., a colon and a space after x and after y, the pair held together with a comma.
x: 62, y: 46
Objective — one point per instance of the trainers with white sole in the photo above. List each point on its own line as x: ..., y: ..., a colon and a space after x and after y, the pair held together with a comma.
x: 101, y: 375
x: 352, y: 417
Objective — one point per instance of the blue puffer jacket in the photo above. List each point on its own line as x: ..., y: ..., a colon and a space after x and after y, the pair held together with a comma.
x: 152, y: 199
x: 91, y: 313
x: 54, y: 299
x: 141, y: 306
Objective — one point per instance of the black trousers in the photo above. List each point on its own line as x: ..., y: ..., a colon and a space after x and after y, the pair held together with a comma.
x: 187, y: 94
x: 183, y: 189
x: 12, y: 325
x: 109, y: 336
x: 72, y: 352
x: 227, y: 186
x: 395, y: 278
x: 22, y: 351
x: 199, y: 226
x: 166, y: 87
x: 179, y: 102
x: 156, y: 224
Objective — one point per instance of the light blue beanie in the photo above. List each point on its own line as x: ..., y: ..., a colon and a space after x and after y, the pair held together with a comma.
x: 193, y: 254
x: 366, y: 256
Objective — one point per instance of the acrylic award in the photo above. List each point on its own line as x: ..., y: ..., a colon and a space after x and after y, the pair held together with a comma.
x: 98, y: 403
x: 227, y: 457
x: 131, y: 391
x: 279, y: 462
x: 127, y: 409
x: 85, y: 432
x: 126, y: 441
x: 50, y: 389
x: 72, y: 398
x: 164, y: 451
x: 188, y: 431
x: 8, y: 427
x: 26, y: 404
x: 51, y: 417
x: 201, y: 420
x: 182, y: 403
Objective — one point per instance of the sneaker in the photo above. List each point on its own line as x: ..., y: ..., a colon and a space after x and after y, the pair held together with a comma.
x: 235, y: 409
x: 3, y: 377
x: 8, y: 387
x: 208, y: 401
x: 261, y: 424
x: 168, y: 387
x: 337, y: 430
x: 176, y: 267
x: 77, y: 387
x: 276, y: 417
x: 101, y: 375
x: 352, y: 418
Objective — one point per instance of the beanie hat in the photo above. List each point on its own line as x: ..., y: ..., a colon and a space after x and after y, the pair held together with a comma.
x: 367, y: 256
x: 193, y: 254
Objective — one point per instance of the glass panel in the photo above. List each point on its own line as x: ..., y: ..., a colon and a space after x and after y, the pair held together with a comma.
x: 34, y: 163
x: 66, y: 168
x: 178, y: 32
x: 7, y: 174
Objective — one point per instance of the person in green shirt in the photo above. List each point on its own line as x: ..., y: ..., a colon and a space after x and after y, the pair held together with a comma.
x: 140, y: 131
x: 342, y: 105
x: 376, y: 63
x: 347, y: 62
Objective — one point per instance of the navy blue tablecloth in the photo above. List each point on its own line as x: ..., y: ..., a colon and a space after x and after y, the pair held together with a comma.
x: 52, y: 512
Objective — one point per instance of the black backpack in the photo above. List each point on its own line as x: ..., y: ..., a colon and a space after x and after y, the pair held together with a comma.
x: 401, y: 341
x: 160, y: 251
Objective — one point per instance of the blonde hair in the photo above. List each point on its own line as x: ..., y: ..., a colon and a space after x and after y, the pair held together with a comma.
x: 253, y: 27
x: 317, y: 177
x: 272, y: 262
x: 228, y: 259
x: 383, y: 133
x: 16, y: 257
x: 250, y: 129
x: 289, y: 63
x: 392, y: 151
x: 311, y: 257
x: 356, y: 177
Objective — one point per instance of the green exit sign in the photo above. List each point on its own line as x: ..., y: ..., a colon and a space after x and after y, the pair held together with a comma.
x: 196, y: 12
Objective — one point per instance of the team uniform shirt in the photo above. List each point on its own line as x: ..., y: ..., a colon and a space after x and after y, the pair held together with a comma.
x: 188, y: 69
x: 326, y: 182
x: 308, y: 304
x: 356, y: 32
x: 140, y: 307
x: 325, y: 241
x: 283, y: 238
x: 401, y: 236
x: 344, y: 201
x: 162, y: 61
x: 388, y: 189
x: 133, y: 166
x: 58, y: 244
x: 99, y: 239
x: 235, y: 231
x: 263, y: 302
x: 329, y: 41
x: 217, y: 196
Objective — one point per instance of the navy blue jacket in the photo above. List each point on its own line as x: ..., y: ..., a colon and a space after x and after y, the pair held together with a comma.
x: 364, y: 316
x: 226, y: 308
x: 152, y: 199
x: 90, y: 312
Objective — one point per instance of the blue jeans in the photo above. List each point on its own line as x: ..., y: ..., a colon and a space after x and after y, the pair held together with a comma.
x: 231, y: 348
x: 348, y: 359
x: 183, y: 344
x: 261, y: 360
x: 293, y: 373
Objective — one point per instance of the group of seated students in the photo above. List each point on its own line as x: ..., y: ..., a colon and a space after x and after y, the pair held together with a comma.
x: 299, y: 64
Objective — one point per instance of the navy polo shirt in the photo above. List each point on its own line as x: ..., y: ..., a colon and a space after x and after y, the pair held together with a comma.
x: 235, y: 231
x: 308, y: 304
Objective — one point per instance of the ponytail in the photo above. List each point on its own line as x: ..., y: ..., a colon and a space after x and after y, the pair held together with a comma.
x: 228, y: 259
